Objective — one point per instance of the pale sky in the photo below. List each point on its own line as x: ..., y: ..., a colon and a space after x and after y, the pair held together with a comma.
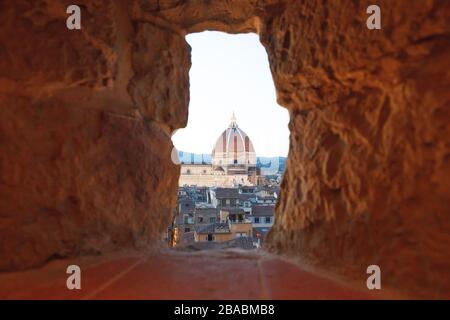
x: 231, y: 73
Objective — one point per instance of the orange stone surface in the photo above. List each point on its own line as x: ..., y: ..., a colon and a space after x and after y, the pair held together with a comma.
x: 226, y: 274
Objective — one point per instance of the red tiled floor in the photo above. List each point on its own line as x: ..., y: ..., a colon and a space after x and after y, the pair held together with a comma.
x: 287, y: 281
x: 225, y: 274
x: 189, y: 276
x: 50, y: 281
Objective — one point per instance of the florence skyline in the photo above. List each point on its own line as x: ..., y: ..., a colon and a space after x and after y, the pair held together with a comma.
x: 230, y: 73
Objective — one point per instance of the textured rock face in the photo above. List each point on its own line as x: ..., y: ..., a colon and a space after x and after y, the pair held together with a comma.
x: 367, y: 179
x: 86, y: 119
x: 85, y: 124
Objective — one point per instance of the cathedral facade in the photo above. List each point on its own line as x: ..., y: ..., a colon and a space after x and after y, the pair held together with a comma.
x: 233, y: 162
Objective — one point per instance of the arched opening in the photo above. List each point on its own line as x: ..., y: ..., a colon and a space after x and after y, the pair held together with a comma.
x: 235, y: 144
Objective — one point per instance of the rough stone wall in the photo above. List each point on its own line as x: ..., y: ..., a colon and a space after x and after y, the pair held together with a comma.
x: 86, y: 119
x: 368, y: 174
x: 85, y: 124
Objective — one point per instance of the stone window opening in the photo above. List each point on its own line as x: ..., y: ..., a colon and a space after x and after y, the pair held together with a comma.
x: 364, y: 124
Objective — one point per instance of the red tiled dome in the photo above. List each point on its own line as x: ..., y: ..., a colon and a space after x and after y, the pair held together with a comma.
x: 233, y: 147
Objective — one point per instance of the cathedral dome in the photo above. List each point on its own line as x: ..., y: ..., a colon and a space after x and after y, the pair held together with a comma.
x: 233, y: 148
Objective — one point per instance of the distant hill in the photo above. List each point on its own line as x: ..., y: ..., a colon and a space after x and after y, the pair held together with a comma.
x: 194, y: 158
x: 261, y: 162
x: 267, y: 162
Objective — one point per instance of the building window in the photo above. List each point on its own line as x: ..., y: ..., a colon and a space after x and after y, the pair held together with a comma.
x: 267, y: 219
x: 188, y: 171
x: 256, y: 220
x: 235, y: 162
x: 200, y: 219
x: 212, y: 219
x: 187, y: 229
